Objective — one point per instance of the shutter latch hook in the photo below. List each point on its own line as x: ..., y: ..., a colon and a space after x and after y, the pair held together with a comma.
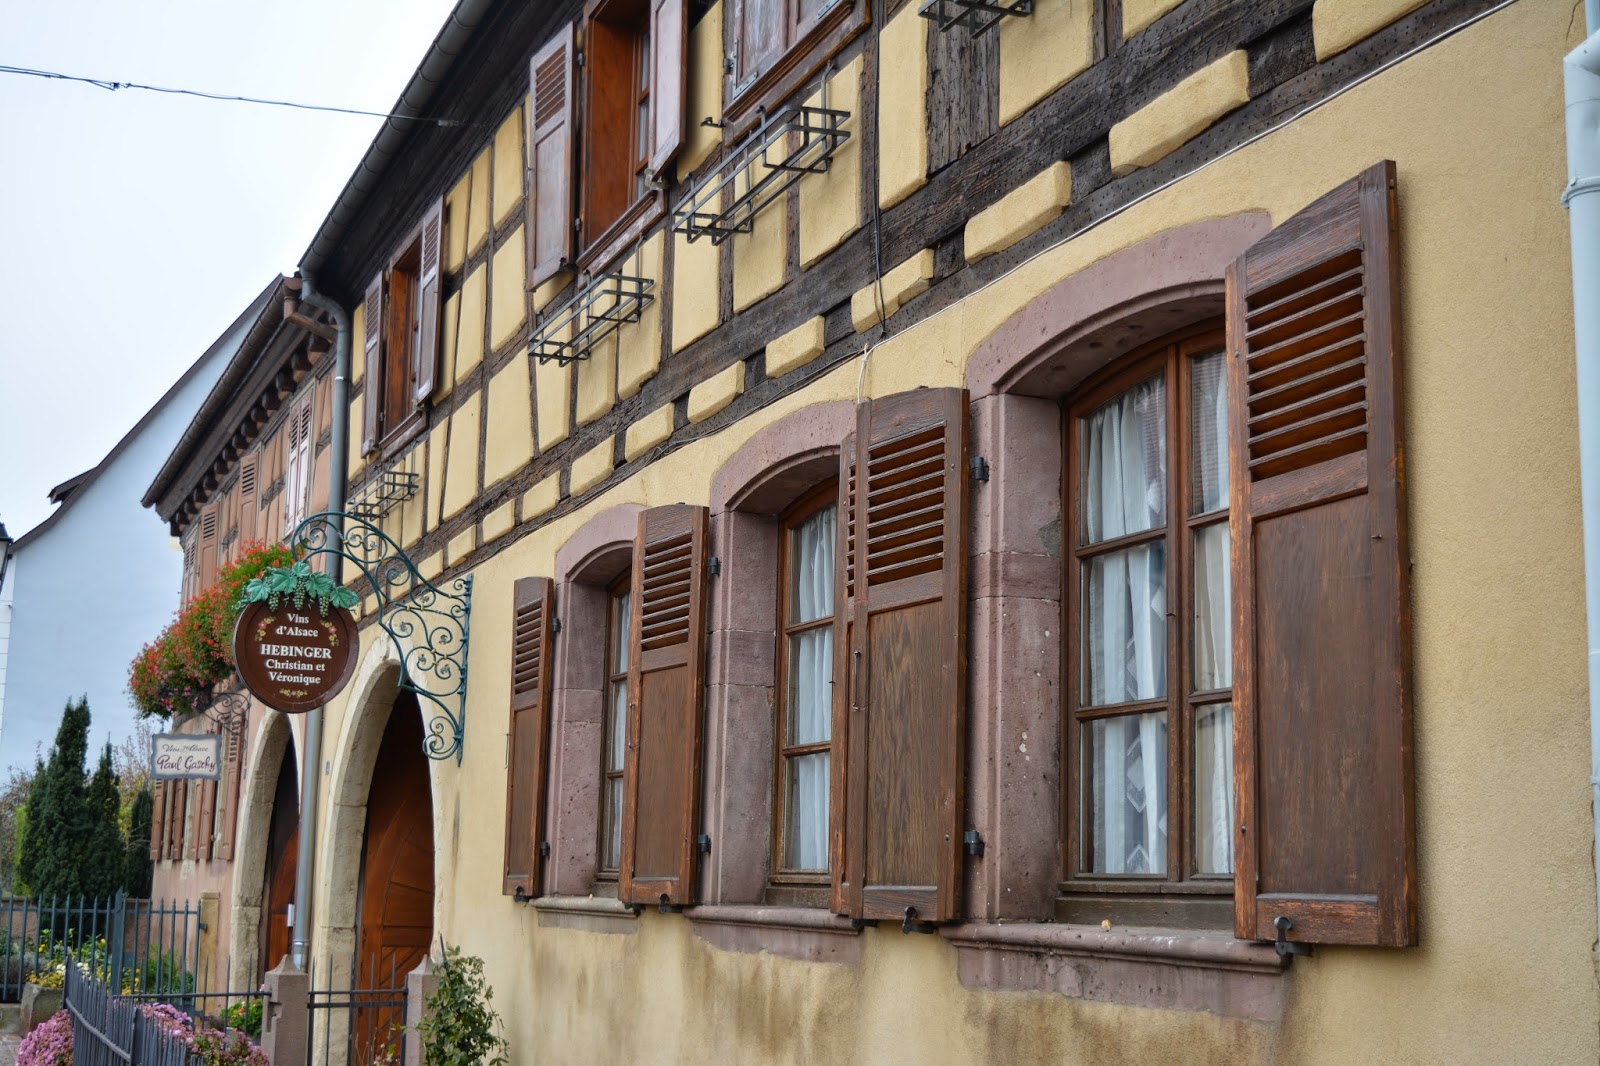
x: 1286, y: 948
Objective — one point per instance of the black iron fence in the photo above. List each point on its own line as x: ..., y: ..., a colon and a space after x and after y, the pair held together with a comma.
x: 112, y: 1030
x: 366, y: 1026
x: 134, y: 945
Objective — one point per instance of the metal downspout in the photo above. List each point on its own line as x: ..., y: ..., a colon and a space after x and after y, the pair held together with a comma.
x: 311, y: 764
x: 1582, y: 199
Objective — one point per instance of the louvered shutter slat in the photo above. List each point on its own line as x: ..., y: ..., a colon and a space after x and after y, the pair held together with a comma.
x: 233, y: 771
x: 550, y: 158
x: 1325, y: 835
x: 533, y: 615
x: 666, y: 685
x: 427, y: 356
x: 372, y: 348
x: 905, y: 745
x: 207, y: 549
x: 158, y: 824
x: 843, y: 636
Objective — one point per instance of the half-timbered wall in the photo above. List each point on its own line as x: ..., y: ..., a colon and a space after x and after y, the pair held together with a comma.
x: 1076, y: 179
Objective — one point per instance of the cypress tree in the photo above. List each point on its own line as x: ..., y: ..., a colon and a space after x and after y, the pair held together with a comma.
x: 137, y: 869
x: 58, y: 823
x: 106, y: 855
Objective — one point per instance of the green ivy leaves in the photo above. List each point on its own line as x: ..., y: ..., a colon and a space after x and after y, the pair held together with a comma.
x: 299, y: 584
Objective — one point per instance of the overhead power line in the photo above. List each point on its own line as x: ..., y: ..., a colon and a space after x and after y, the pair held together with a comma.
x: 113, y: 86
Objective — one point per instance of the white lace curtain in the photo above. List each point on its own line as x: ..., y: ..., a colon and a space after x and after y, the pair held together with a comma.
x: 1125, y: 596
x: 810, y: 690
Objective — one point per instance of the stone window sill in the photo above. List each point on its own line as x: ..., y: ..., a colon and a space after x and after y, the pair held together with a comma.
x: 590, y: 914
x: 805, y: 933
x: 1139, y: 967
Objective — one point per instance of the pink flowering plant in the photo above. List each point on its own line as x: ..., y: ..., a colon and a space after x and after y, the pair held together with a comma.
x: 50, y: 1044
x: 213, y: 1047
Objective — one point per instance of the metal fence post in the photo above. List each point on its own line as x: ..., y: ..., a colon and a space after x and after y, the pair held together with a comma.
x: 420, y: 984
x: 114, y: 940
x: 286, y: 1018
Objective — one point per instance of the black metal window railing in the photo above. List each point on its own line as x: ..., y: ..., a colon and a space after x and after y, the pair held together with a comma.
x: 787, y: 145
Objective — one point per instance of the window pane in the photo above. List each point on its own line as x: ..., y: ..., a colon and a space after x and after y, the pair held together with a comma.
x: 1213, y: 598
x: 811, y: 575
x: 806, y: 835
x: 1125, y: 774
x: 1208, y: 435
x: 1125, y: 464
x: 1213, y: 789
x: 613, y: 813
x: 1125, y: 626
x: 616, y: 751
x: 621, y: 630
x: 810, y: 686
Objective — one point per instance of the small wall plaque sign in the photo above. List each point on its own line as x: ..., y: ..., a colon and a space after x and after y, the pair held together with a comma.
x: 179, y: 756
x: 294, y: 659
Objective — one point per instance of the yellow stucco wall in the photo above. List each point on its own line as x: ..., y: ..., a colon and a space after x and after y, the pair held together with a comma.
x: 1506, y: 969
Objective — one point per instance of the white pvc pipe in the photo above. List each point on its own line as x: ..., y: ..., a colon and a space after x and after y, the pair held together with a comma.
x: 1582, y: 198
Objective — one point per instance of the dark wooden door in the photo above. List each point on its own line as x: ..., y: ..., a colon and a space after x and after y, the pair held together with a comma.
x: 283, y: 855
x: 397, y: 875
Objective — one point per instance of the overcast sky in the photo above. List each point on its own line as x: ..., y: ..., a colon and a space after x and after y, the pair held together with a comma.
x: 135, y: 226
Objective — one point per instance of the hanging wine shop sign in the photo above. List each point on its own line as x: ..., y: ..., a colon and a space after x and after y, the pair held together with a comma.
x: 178, y: 756
x: 294, y: 659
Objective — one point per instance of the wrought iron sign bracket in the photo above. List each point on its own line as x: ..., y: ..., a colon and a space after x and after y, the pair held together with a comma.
x: 978, y: 16
x: 229, y: 711
x: 426, y: 624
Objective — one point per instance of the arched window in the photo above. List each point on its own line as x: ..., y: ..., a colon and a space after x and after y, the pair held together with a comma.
x: 1148, y: 688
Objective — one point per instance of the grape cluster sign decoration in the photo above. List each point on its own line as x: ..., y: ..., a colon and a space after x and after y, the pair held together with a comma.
x: 295, y: 642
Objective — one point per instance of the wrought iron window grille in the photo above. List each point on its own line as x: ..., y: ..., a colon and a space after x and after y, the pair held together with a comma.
x: 388, y: 490
x: 602, y: 306
x: 978, y: 16
x: 760, y: 170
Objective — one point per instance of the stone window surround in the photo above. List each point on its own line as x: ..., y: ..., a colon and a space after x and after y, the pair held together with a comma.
x: 1015, y: 379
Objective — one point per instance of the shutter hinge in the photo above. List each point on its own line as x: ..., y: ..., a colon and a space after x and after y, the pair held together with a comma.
x: 577, y: 57
x: 702, y: 843
x: 544, y: 849
x: 732, y: 62
x: 716, y: 566
x: 1286, y: 948
x: 555, y: 626
x: 974, y: 842
x: 910, y: 924
x: 980, y: 468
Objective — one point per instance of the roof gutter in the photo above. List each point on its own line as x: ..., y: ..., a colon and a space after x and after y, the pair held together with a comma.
x: 412, y: 105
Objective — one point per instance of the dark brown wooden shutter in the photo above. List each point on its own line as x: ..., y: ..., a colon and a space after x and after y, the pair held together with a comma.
x: 666, y: 686
x: 532, y: 615
x: 372, y: 328
x: 1322, y: 628
x: 550, y: 158
x: 158, y: 820
x: 207, y: 549
x: 908, y: 657
x: 205, y: 821
x: 232, y: 773
x: 843, y: 635
x: 177, y: 816
x: 669, y: 81
x: 249, y: 501
x: 427, y: 369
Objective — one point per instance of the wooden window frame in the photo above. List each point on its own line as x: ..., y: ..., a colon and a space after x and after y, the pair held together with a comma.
x: 745, y: 99
x: 1180, y: 896
x: 619, y: 586
x: 596, y: 251
x: 407, y: 263
x: 793, y: 885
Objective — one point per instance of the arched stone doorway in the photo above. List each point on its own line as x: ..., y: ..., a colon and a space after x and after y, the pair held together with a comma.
x: 283, y: 854
x: 395, y: 906
x: 266, y: 803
